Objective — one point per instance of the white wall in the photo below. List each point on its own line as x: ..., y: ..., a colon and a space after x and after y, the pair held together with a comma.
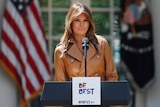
x: 151, y: 98
x: 8, y: 90
x: 153, y: 95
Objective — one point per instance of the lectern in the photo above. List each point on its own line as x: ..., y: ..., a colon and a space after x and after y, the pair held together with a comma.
x: 60, y: 93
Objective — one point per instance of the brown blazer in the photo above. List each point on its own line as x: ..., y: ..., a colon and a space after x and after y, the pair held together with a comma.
x: 71, y: 63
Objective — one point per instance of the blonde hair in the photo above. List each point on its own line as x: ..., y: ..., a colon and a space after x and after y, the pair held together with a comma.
x: 74, y: 11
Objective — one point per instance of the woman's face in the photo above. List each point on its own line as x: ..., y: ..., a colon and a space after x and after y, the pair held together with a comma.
x: 80, y: 25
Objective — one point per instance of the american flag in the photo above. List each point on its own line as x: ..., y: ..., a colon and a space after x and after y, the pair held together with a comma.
x: 23, y: 52
x: 129, y: 16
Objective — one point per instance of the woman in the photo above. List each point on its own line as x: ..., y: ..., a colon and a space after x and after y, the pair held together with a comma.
x: 68, y: 55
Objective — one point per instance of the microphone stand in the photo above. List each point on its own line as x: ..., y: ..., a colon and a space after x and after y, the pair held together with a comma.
x: 85, y: 47
x: 85, y: 60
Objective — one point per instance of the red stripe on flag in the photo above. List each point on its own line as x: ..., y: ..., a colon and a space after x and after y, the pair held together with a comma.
x: 129, y: 17
x: 14, y: 71
x: 39, y: 49
x: 19, y: 35
x: 36, y: 43
x: 36, y: 15
x: 12, y: 47
x: 14, y: 74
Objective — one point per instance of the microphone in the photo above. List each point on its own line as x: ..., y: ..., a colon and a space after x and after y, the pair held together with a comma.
x: 85, y: 46
x: 85, y: 43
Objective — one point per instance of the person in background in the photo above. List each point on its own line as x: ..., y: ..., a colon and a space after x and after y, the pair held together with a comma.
x: 68, y: 55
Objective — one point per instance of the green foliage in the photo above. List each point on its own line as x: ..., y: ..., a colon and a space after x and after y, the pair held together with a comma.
x: 100, y: 3
x: 61, y: 3
x: 45, y: 21
x: 58, y: 23
x: 43, y: 3
x: 117, y: 3
x: 102, y: 23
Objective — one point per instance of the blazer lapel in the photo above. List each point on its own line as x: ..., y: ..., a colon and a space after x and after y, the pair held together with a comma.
x: 91, y: 52
x: 75, y: 52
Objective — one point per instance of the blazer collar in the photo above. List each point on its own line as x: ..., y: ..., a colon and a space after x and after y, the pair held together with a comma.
x: 77, y: 54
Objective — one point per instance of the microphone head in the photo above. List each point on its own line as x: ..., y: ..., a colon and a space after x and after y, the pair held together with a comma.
x: 84, y: 40
x: 85, y: 43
